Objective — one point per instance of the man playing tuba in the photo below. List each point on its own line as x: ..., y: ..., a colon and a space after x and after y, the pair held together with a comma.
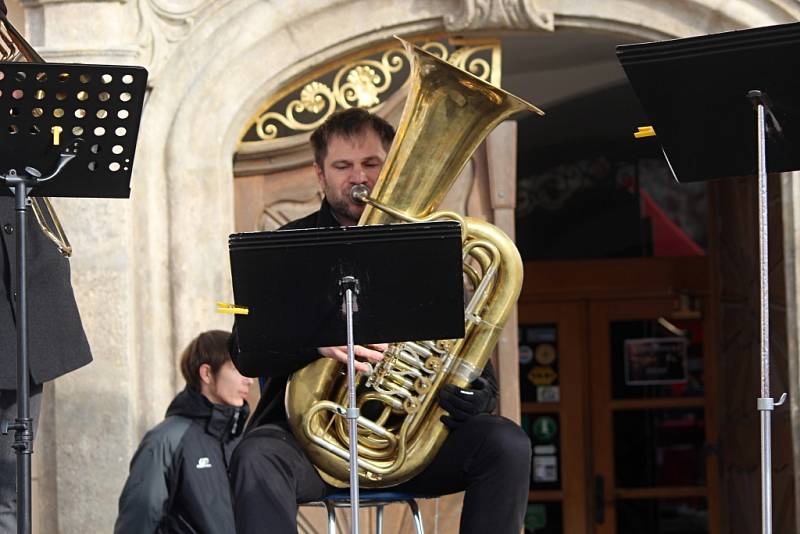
x: 485, y: 455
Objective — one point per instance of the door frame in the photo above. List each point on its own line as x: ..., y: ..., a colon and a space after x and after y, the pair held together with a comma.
x: 572, y: 408
x: 562, y: 292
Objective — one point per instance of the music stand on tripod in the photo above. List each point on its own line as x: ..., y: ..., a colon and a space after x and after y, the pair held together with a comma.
x: 66, y: 130
x: 700, y: 95
x: 300, y: 288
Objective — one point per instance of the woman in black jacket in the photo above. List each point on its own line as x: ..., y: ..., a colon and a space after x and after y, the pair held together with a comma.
x: 178, y: 480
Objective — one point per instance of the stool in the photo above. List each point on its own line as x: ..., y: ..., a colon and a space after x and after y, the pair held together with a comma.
x: 372, y: 499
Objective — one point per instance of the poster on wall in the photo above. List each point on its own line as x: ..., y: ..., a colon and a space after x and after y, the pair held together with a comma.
x: 656, y: 360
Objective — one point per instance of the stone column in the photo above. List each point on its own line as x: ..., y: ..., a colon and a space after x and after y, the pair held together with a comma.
x: 791, y: 238
x: 501, y: 151
x: 93, y: 417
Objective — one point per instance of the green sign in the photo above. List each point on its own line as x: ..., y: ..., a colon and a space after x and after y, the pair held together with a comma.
x: 545, y: 428
x: 535, y: 517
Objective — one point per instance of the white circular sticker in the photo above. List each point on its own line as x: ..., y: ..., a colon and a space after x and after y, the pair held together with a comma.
x: 525, y: 354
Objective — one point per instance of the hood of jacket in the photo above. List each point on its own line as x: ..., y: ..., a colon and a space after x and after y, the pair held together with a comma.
x: 220, y: 420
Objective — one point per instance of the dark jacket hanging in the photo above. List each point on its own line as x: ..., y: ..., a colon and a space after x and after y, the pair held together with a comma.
x: 56, y: 341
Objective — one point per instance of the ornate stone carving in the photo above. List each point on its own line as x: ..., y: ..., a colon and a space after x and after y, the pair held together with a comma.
x: 163, y: 24
x: 499, y: 14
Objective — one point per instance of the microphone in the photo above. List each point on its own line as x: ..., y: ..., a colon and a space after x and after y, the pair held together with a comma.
x: 359, y: 193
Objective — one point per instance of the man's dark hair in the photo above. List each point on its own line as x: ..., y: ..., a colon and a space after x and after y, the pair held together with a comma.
x: 209, y: 347
x: 348, y: 123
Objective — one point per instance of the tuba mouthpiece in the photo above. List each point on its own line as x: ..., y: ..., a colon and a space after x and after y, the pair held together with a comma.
x: 359, y: 193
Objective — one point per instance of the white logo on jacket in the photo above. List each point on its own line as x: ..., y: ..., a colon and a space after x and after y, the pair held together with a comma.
x: 203, y: 463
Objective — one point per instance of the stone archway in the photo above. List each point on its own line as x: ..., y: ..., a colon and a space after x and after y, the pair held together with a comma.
x: 193, y: 137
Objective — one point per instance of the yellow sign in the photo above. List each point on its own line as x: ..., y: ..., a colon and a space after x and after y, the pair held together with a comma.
x: 545, y: 354
x: 542, y: 376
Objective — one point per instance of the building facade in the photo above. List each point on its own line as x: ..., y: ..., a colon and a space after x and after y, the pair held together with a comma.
x: 148, y: 271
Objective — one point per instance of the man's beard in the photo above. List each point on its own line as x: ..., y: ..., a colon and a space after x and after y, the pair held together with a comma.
x: 343, y: 208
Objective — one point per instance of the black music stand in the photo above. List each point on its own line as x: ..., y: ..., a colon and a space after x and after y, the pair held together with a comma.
x: 407, y: 279
x: 699, y: 94
x: 66, y: 130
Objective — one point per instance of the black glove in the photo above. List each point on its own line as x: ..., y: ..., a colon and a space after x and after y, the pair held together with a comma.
x: 461, y: 404
x: 3, y: 7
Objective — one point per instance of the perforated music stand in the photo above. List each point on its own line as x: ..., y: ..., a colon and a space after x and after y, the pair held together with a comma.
x: 98, y: 104
x: 406, y: 278
x: 66, y: 130
x: 699, y: 94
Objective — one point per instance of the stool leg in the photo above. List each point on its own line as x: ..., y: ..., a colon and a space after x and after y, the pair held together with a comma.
x: 416, y: 515
x: 379, y: 520
x: 331, y: 517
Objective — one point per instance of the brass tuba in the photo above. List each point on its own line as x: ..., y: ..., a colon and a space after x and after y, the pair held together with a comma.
x: 14, y: 47
x: 447, y: 115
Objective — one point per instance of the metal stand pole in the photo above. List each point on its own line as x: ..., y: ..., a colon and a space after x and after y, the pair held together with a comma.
x: 350, y: 286
x: 765, y: 403
x: 23, y: 437
x: 23, y: 425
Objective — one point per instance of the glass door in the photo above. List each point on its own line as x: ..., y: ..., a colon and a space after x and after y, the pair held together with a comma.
x: 652, y: 430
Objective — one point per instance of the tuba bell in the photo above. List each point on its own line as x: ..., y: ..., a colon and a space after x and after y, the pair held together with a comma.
x: 447, y: 115
x: 14, y: 47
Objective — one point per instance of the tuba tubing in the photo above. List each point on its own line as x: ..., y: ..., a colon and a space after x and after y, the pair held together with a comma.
x: 448, y: 113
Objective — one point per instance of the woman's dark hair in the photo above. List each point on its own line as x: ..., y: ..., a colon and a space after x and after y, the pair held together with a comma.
x: 348, y: 123
x: 209, y: 347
